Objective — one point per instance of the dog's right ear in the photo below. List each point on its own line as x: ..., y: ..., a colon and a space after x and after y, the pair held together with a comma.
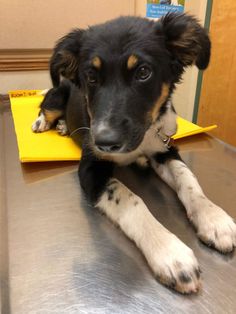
x: 64, y: 60
x: 186, y: 39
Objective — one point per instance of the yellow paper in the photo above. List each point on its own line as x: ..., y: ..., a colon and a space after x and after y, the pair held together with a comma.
x: 32, y: 146
x: 50, y: 146
x: 186, y: 128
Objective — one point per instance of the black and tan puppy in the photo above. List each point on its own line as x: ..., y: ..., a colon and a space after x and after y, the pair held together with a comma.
x: 112, y: 92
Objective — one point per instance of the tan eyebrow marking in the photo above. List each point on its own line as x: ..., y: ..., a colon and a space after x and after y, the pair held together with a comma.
x: 132, y: 61
x: 97, y: 63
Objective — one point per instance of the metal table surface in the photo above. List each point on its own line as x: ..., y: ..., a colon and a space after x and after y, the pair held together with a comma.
x: 58, y: 255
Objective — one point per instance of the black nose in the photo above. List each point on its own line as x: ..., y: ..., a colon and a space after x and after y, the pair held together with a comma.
x: 107, y: 139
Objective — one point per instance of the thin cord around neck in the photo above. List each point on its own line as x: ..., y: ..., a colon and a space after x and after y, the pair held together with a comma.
x: 78, y: 129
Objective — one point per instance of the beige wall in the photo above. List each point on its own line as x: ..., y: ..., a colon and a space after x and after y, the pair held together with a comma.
x: 38, y: 23
x: 184, y: 96
x: 24, y: 80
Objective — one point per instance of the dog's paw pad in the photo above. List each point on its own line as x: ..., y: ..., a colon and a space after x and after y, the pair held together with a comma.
x: 62, y: 128
x: 216, y: 229
x: 40, y: 124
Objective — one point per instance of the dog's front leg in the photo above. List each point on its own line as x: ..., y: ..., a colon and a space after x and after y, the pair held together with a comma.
x: 214, y: 226
x: 52, y: 108
x: 172, y: 262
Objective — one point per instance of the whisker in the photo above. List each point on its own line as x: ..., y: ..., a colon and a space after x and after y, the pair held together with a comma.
x: 78, y: 129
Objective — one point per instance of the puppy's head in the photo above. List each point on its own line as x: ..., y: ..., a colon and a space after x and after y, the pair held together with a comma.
x: 127, y: 69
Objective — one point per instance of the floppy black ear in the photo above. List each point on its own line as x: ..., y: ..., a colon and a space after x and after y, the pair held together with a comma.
x: 186, y: 39
x: 64, y: 60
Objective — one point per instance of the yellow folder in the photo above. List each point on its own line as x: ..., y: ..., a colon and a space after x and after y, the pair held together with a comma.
x: 50, y: 146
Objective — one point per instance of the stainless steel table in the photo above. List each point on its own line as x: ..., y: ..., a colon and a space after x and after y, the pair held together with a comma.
x: 58, y: 255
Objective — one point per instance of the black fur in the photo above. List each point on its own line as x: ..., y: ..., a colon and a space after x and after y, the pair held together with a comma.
x: 64, y: 60
x: 117, y: 94
x: 184, y: 277
x: 187, y: 41
x: 57, y: 98
x: 94, y: 175
x: 172, y: 153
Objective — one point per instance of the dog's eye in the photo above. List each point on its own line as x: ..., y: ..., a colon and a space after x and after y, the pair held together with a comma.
x: 92, y: 77
x: 143, y: 73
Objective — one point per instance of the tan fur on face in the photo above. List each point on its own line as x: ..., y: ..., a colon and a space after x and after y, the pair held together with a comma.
x: 52, y: 115
x: 132, y: 61
x: 160, y: 101
x: 97, y: 63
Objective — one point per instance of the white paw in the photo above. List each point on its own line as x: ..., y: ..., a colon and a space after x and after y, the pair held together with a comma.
x: 40, y: 124
x: 175, y: 265
x: 62, y: 127
x: 44, y: 92
x: 215, y: 227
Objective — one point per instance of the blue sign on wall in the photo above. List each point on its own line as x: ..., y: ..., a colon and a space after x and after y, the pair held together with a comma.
x: 158, y: 9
